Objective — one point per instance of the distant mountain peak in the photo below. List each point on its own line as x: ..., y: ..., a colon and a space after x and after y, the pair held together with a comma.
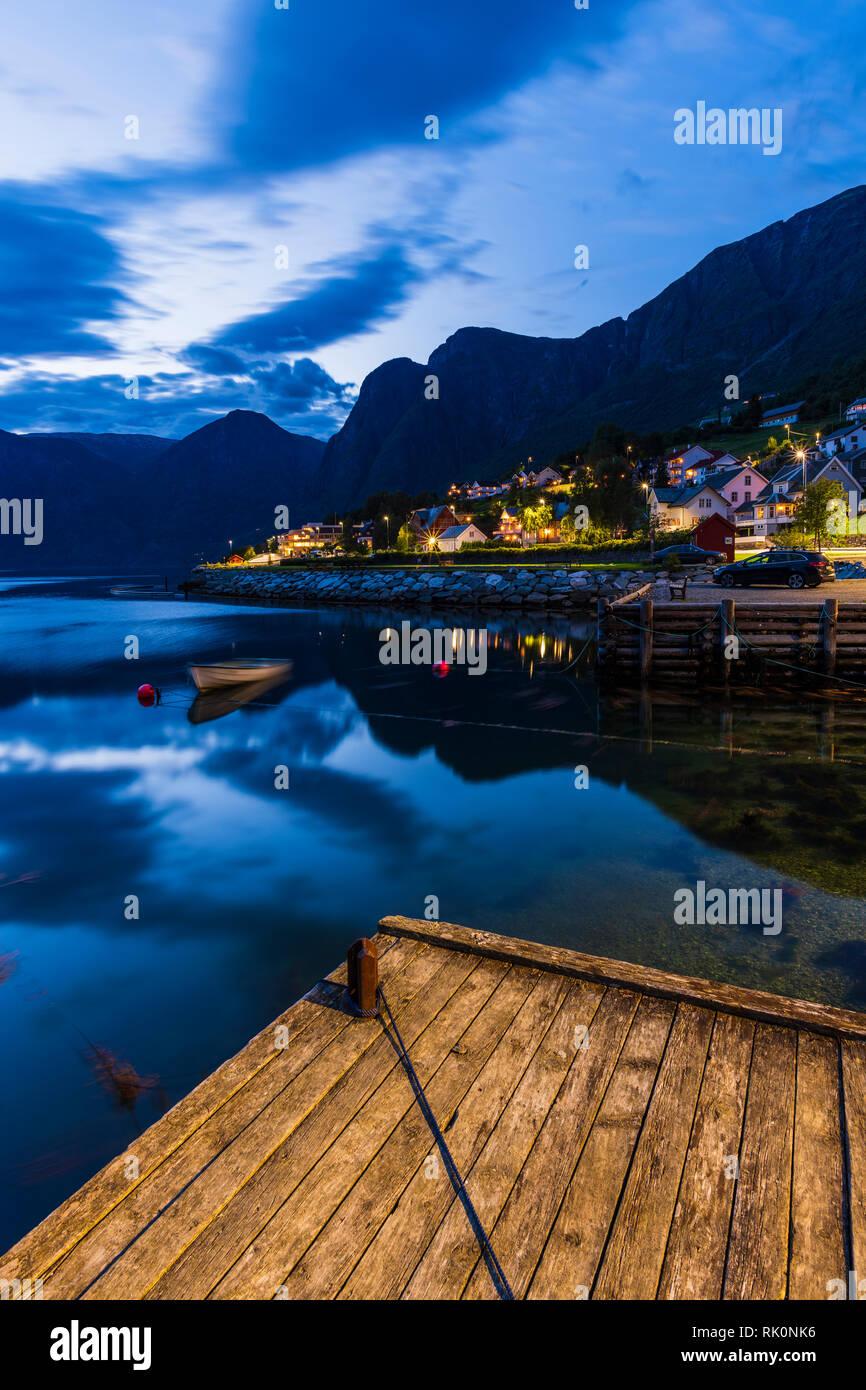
x: 767, y: 308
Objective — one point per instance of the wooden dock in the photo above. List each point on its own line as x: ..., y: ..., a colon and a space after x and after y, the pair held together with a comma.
x: 645, y: 642
x: 623, y: 1133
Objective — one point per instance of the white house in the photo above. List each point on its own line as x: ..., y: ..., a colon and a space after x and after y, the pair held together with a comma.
x: 694, y: 464
x: 857, y: 409
x: 846, y: 440
x: 456, y: 536
x: 772, y: 509
x: 673, y: 508
x: 545, y: 477
x: 782, y: 415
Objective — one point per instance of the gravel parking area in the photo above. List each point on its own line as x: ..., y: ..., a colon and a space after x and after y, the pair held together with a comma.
x: 699, y: 591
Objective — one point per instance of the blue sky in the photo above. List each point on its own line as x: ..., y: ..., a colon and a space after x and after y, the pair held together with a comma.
x: 280, y: 225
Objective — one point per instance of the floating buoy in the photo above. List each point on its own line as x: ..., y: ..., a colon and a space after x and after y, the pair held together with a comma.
x: 441, y: 668
x: 147, y: 695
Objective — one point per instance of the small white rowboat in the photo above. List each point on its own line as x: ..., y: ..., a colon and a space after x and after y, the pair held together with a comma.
x: 237, y: 671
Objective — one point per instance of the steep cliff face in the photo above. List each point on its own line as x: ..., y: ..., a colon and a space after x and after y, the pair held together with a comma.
x: 767, y: 308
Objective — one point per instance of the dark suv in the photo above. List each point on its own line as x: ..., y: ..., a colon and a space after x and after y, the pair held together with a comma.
x: 799, y: 569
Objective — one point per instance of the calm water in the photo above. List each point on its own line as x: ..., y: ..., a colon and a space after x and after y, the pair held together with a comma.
x: 402, y: 786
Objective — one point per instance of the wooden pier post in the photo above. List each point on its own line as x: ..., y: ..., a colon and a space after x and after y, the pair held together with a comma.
x: 829, y: 628
x: 726, y: 629
x: 602, y: 635
x: 646, y: 640
x: 363, y: 972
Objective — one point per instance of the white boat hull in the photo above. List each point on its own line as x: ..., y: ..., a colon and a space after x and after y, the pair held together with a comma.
x: 224, y: 673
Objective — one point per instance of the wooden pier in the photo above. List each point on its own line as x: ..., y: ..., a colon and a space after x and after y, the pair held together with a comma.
x: 624, y: 1134
x: 646, y: 642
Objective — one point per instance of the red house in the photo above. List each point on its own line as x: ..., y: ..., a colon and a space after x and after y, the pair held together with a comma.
x: 716, y: 533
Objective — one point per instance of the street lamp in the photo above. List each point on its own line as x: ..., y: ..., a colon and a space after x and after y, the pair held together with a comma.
x: 650, y: 525
x: 387, y: 522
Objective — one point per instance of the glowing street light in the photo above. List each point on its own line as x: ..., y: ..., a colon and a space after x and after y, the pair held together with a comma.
x: 801, y: 455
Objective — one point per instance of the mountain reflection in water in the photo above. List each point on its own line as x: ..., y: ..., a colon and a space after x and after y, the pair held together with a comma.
x: 402, y: 786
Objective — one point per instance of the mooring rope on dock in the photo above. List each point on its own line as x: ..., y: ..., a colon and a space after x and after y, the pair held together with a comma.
x: 788, y: 666
x: 639, y: 627
x: 497, y: 1274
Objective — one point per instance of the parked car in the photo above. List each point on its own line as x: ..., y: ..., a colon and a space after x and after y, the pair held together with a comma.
x: 688, y: 554
x: 799, y: 569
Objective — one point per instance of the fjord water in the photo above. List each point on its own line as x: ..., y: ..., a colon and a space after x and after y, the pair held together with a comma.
x: 403, y: 787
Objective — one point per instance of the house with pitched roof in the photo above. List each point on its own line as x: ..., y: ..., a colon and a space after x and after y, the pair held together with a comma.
x: 694, y: 463
x: 456, y: 536
x: 773, y: 507
x: 509, y: 528
x: 782, y: 415
x: 427, y: 523
x: 673, y: 508
x: 737, y: 485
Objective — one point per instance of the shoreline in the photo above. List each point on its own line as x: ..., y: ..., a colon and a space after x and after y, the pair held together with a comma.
x: 452, y: 588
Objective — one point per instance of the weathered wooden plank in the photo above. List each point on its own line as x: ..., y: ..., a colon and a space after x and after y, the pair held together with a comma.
x: 817, y: 1193
x: 635, y: 1251
x: 475, y: 1115
x: 43, y: 1247
x: 854, y: 1093
x: 271, y: 1259
x: 695, y: 1258
x: 522, y: 1229
x: 361, y: 1058
x: 758, y: 1246
x: 568, y: 1266
x: 130, y: 1247
x: 235, y: 1225
x: 757, y: 1004
x: 452, y: 1255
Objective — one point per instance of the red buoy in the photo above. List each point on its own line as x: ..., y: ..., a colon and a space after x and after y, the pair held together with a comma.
x: 147, y: 695
x: 441, y: 668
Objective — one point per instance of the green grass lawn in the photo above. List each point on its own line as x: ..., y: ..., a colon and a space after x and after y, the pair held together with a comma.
x: 742, y: 445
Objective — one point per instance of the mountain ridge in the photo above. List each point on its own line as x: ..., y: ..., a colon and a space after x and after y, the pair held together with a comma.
x: 768, y: 308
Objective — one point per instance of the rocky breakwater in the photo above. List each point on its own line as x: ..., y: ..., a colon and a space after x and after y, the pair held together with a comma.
x: 422, y: 588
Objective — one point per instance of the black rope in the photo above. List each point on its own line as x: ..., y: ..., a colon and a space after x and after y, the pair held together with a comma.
x: 500, y: 1282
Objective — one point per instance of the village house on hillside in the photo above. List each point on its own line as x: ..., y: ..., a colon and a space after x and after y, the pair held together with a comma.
x: 313, y: 536
x: 738, y: 485
x: 782, y: 415
x: 456, y: 536
x: 857, y: 409
x: 694, y: 463
x: 673, y: 508
x: 509, y: 528
x: 773, y: 507
x: 472, y: 492
x: 849, y: 445
x: 428, y: 523
x: 545, y: 477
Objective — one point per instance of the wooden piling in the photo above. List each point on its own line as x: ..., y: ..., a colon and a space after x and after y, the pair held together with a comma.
x: 829, y: 632
x: 726, y: 629
x: 646, y: 639
x: 363, y: 974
